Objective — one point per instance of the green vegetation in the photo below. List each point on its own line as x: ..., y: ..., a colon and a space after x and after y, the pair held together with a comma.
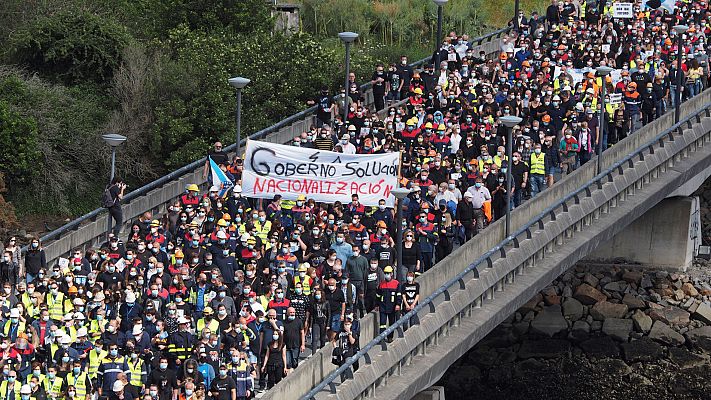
x: 156, y: 71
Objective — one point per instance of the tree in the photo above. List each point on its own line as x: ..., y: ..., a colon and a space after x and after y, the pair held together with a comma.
x: 18, y: 145
x: 71, y: 46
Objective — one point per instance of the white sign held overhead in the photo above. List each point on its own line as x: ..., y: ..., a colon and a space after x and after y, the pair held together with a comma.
x: 324, y: 176
x: 615, y: 98
x: 623, y: 10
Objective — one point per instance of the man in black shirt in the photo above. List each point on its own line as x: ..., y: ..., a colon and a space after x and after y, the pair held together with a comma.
x: 164, y: 379
x: 405, y: 71
x: 519, y: 175
x: 379, y: 86
x: 217, y: 155
x: 337, y: 307
x: 294, y: 338
x: 223, y: 387
x: 325, y: 107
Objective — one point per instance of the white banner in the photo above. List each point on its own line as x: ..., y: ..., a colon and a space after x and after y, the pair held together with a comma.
x: 324, y: 176
x: 615, y: 98
x: 622, y: 10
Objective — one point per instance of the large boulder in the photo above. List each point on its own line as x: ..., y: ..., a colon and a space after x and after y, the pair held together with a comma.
x: 662, y: 333
x: 588, y: 295
x: 549, y: 322
x: 604, y: 309
x: 617, y: 328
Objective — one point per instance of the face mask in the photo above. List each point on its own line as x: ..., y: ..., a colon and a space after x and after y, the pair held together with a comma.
x: 65, y: 359
x: 223, y: 373
x: 339, y: 240
x: 113, y: 352
x: 164, y: 366
x: 153, y: 393
x: 51, y: 375
x: 388, y: 277
x: 298, y: 291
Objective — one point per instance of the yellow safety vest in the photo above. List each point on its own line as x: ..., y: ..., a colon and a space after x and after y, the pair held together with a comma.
x: 79, y: 384
x: 95, y: 327
x: 8, y: 324
x: 305, y: 285
x: 53, y: 389
x: 56, y: 306
x: 213, y: 327
x: 95, y: 360
x: 538, y: 164
x: 71, y: 331
x: 263, y: 230
x: 30, y: 308
x: 41, y: 377
x: 136, y: 373
x: 15, y: 388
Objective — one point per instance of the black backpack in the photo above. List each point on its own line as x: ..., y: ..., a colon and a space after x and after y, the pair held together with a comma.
x: 107, y: 200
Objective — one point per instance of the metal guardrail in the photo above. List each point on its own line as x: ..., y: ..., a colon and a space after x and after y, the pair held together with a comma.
x: 411, y: 318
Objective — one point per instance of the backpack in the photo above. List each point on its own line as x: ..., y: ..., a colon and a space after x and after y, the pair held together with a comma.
x: 107, y: 200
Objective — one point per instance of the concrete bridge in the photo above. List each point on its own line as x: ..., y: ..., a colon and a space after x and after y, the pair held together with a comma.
x: 480, y: 284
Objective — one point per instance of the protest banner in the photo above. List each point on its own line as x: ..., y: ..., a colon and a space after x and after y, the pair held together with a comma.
x: 324, y: 176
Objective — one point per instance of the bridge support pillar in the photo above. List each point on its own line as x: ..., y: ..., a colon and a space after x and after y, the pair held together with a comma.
x: 431, y: 393
x: 667, y: 237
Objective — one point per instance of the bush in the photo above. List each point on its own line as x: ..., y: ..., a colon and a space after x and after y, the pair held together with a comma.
x: 71, y: 46
x: 18, y: 145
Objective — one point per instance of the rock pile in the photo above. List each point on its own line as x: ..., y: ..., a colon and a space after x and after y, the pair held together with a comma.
x: 626, y: 321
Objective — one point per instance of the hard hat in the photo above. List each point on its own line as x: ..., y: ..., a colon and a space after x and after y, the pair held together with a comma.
x: 183, y: 320
x: 237, y: 189
x: 65, y: 339
x: 301, y: 198
x: 221, y: 235
x: 179, y: 254
x: 244, y: 237
x: 632, y: 85
x: 417, y: 91
x: 193, y: 188
x: 503, y: 56
x: 412, y: 121
x: 14, y: 313
x: 73, y: 289
x: 68, y: 317
x: 388, y: 269
x: 303, y: 267
x: 79, y: 316
x: 25, y: 389
x: 155, y: 223
x: 428, y: 125
x: 590, y: 90
x: 351, y: 128
x: 222, y: 222
x: 252, y: 240
x: 137, y: 330
x: 546, y: 118
x: 441, y: 127
x: 214, y: 188
x: 130, y: 297
x: 382, y: 224
x: 226, y: 217
x: 556, y: 98
x: 78, y: 302
x: 81, y: 332
x: 208, y: 311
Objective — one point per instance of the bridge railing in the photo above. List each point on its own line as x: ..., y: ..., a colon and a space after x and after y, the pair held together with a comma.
x: 454, y: 271
x: 90, y: 229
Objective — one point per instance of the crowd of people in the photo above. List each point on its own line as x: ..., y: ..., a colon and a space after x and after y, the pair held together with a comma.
x: 220, y: 296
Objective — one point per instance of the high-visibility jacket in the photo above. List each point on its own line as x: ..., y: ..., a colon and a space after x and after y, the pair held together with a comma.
x: 95, y: 327
x: 57, y: 306
x: 109, y: 370
x: 213, y: 326
x: 95, y: 360
x: 71, y: 331
x: 263, y: 229
x: 138, y: 373
x: 30, y: 308
x: 79, y: 383
x: 8, y: 326
x: 538, y: 164
x: 4, y: 389
x: 305, y: 284
x: 242, y: 377
x: 41, y: 377
x: 53, y: 387
x: 180, y: 344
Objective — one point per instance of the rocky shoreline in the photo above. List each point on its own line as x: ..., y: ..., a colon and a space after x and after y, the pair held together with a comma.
x: 615, y: 332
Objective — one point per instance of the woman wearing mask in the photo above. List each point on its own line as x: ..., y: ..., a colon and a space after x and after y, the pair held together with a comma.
x: 35, y: 259
x: 410, y: 256
x: 16, y: 255
x: 320, y: 315
x: 445, y: 245
x: 275, y: 360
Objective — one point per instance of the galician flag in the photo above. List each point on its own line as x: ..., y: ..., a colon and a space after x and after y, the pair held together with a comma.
x: 219, y: 178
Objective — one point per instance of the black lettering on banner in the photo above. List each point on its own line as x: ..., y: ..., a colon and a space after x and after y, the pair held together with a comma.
x: 260, y: 168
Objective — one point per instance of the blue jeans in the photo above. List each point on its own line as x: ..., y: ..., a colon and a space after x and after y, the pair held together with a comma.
x: 292, y: 357
x: 29, y: 277
x: 537, y: 184
x: 517, y: 197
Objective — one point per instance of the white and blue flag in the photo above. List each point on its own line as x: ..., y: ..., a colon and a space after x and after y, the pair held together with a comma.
x: 219, y: 179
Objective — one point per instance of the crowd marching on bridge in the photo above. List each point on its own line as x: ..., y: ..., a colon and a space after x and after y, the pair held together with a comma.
x: 221, y: 295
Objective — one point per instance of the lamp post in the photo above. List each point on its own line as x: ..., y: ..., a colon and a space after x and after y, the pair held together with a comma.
x: 347, y: 38
x: 680, y: 30
x: 238, y: 83
x: 601, y: 71
x: 509, y: 121
x: 516, y: 8
x: 400, y: 194
x: 114, y: 140
x: 440, y: 4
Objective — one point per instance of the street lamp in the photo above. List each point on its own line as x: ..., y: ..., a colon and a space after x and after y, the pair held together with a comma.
x: 239, y: 83
x: 347, y: 38
x: 400, y: 194
x: 680, y: 30
x: 601, y: 71
x: 516, y: 8
x: 114, y: 140
x: 440, y: 4
x: 509, y: 121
